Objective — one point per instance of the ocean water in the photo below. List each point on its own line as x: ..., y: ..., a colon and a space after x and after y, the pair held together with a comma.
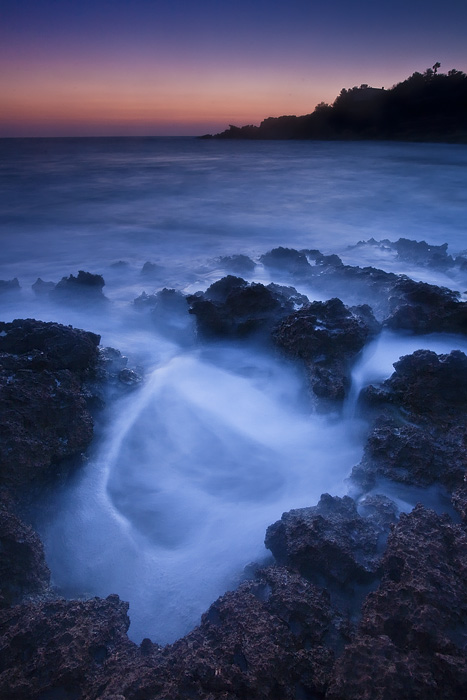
x: 187, y: 472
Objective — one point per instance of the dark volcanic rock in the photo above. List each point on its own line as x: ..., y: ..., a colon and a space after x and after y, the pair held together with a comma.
x: 45, y: 418
x: 39, y: 345
x: 411, y: 640
x: 424, y: 308
x: 420, y: 434
x: 23, y: 570
x: 327, y: 336
x: 271, y: 638
x: 85, y: 289
x: 232, y: 307
x: 330, y: 544
x: 288, y: 260
x: 53, y: 649
x: 239, y: 264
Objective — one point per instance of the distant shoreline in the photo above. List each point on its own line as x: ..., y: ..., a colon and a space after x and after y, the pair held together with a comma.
x: 425, y: 108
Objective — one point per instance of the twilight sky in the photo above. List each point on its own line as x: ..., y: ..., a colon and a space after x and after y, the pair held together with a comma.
x: 170, y: 67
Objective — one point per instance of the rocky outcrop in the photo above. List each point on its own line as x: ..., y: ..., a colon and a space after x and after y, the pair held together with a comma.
x: 53, y: 649
x: 45, y: 417
x: 234, y: 308
x: 327, y: 336
x: 411, y: 640
x: 331, y: 543
x: 419, y: 436
x: 83, y: 290
x: 8, y: 286
x: 419, y: 307
x: 23, y: 570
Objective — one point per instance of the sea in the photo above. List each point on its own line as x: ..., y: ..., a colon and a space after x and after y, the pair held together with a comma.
x: 188, y: 469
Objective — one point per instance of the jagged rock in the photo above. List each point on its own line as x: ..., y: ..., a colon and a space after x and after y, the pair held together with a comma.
x: 7, y: 286
x: 45, y: 418
x: 287, y: 260
x: 327, y: 336
x: 231, y: 307
x: 330, y: 543
x: 39, y: 345
x: 267, y: 639
x: 420, y: 434
x: 23, y: 570
x: 239, y: 264
x: 41, y: 288
x: 53, y: 649
x: 425, y: 308
x: 416, y: 252
x: 411, y: 640
x: 84, y: 289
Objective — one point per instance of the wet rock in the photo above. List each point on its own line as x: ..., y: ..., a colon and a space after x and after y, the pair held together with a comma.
x: 53, y: 649
x: 40, y: 345
x: 459, y: 500
x: 416, y: 252
x: 23, y: 570
x: 425, y: 308
x: 287, y: 260
x: 411, y: 639
x: 238, y: 264
x: 41, y: 288
x: 232, y: 307
x: 321, y: 260
x: 169, y: 312
x: 84, y: 289
x: 419, y: 436
x: 330, y: 543
x: 267, y: 639
x: 327, y: 336
x: 7, y: 286
x: 112, y: 375
x: 43, y: 399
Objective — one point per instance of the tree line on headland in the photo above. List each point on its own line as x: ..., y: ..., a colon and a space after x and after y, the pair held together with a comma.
x: 429, y: 106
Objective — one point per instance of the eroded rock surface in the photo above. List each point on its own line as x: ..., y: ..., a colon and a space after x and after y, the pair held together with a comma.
x: 412, y: 636
x: 327, y: 336
x: 234, y: 308
x: 45, y: 418
x: 420, y: 434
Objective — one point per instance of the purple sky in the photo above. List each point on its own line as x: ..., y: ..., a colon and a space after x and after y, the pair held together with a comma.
x: 160, y: 67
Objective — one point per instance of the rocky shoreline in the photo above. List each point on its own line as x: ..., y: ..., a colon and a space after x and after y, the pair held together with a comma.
x: 362, y: 601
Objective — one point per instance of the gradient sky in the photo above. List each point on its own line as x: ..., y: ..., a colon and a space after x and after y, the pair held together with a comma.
x: 172, y: 67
